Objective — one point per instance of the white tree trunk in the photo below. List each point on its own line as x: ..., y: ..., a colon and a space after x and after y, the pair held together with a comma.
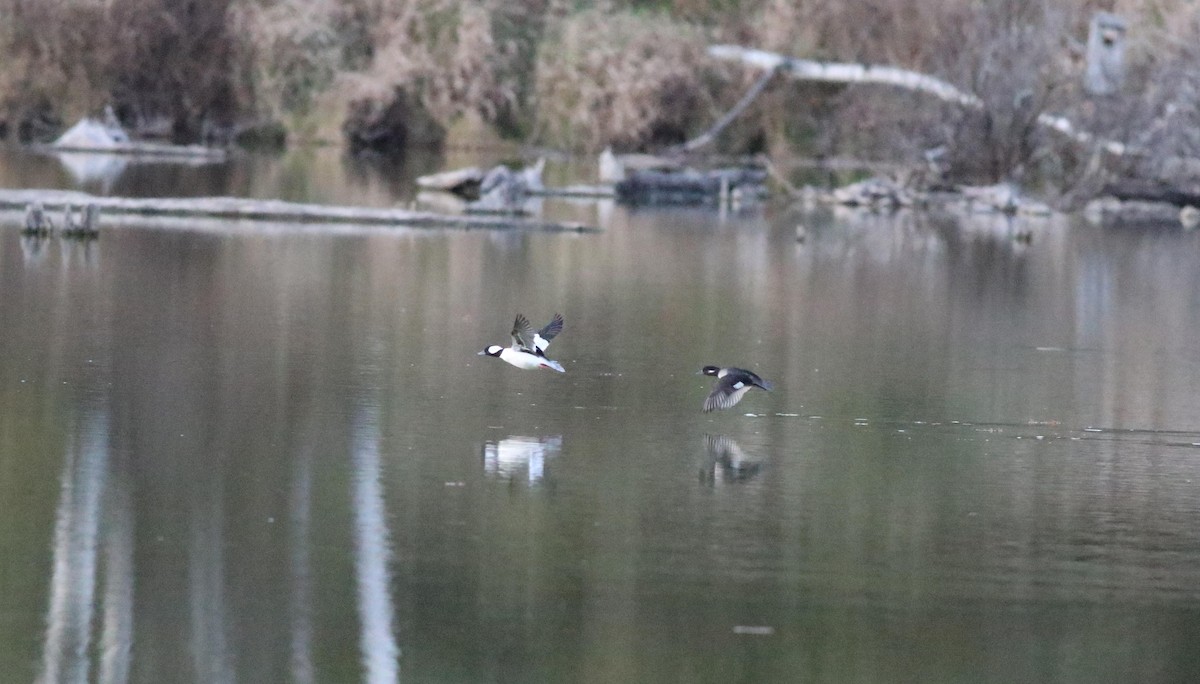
x: 839, y: 72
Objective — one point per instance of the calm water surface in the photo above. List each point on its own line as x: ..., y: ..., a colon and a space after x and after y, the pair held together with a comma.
x: 264, y: 455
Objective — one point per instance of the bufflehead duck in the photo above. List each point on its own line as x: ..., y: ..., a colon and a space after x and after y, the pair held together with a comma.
x: 528, y: 348
x: 732, y: 385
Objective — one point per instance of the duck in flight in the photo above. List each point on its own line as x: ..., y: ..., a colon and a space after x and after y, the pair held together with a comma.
x: 528, y: 348
x: 732, y: 385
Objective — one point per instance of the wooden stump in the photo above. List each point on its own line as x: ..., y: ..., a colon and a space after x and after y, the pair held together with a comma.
x: 37, y: 223
x: 87, y: 225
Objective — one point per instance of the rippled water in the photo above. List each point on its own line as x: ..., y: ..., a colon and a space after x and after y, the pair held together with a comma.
x: 229, y: 454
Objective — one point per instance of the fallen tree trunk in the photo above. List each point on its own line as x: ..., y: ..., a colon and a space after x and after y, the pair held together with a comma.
x: 1151, y: 191
x: 750, y: 96
x: 839, y: 72
x: 236, y: 208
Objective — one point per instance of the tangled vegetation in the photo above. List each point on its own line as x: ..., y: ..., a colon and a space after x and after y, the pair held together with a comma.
x: 632, y: 74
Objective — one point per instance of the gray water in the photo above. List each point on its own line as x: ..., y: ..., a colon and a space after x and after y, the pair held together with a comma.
x: 236, y: 453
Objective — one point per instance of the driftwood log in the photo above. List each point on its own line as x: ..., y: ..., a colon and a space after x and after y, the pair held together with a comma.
x: 500, y: 190
x: 233, y: 208
x: 506, y: 192
x: 464, y: 182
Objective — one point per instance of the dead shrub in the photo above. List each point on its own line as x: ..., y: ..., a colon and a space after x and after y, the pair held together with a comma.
x: 292, y: 53
x: 43, y: 73
x: 1012, y: 64
x: 175, y: 63
x: 1161, y: 115
x: 632, y: 81
x: 152, y: 59
x: 444, y: 54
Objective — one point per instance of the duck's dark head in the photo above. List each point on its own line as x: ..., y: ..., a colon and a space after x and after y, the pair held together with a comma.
x: 710, y: 370
x: 493, y: 350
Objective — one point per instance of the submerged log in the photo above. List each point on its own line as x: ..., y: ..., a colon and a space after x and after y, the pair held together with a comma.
x: 689, y: 187
x: 1136, y: 201
x: 1109, y: 210
x: 882, y: 194
x: 576, y: 191
x: 1151, y: 191
x: 234, y: 208
x: 877, y: 193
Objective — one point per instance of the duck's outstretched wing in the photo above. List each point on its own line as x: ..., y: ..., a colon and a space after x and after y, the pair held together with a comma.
x: 522, y: 333
x: 728, y: 391
x: 542, y: 339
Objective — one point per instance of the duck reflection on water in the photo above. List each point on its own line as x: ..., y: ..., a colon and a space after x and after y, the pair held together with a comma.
x: 727, y: 462
x: 510, y: 456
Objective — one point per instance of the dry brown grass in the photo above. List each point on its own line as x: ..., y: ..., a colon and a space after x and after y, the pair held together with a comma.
x: 443, y: 53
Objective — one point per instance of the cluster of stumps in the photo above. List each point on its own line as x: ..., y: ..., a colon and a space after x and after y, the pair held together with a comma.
x: 84, y: 224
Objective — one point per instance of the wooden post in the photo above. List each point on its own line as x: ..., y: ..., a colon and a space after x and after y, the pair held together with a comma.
x: 69, y: 227
x: 91, y: 219
x: 85, y: 226
x: 1105, y: 70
